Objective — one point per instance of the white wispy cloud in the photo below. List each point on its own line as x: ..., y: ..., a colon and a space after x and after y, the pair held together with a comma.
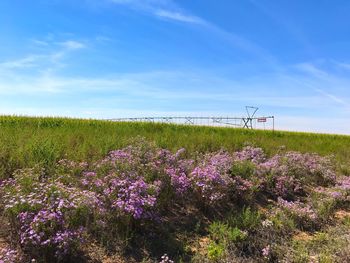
x: 311, y: 68
x: 326, y: 83
x: 178, y: 16
x: 26, y: 62
x: 169, y: 10
x: 40, y: 42
x: 72, y: 44
x: 343, y: 65
x: 332, y: 97
x: 51, y: 56
x: 164, y: 9
x: 103, y: 39
x: 160, y: 85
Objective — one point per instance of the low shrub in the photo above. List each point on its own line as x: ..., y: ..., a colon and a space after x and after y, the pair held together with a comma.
x: 49, y: 217
x: 137, y: 190
x: 215, y: 251
x: 223, y: 233
x: 248, y: 219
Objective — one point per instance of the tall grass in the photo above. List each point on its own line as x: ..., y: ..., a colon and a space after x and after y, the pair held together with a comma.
x: 26, y: 142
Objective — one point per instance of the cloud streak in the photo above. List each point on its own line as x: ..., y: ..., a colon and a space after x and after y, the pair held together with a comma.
x: 178, y: 16
x: 170, y: 11
x: 332, y: 97
x: 51, y: 57
x: 326, y: 82
x: 163, y: 9
x: 72, y: 45
x: 160, y: 85
x: 26, y: 62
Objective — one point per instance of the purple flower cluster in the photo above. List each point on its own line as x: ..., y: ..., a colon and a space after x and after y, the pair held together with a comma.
x: 249, y: 153
x: 287, y: 186
x: 319, y: 169
x: 241, y: 186
x: 176, y: 169
x: 210, y: 178
x: 144, y: 159
x: 47, y: 229
x: 340, y: 192
x: 344, y: 184
x: 266, y: 251
x: 335, y: 193
x: 133, y: 184
x: 44, y: 215
x: 116, y: 157
x: 300, y: 164
x: 8, y: 255
x: 179, y: 179
x: 287, y: 173
x: 298, y: 209
x: 132, y: 196
x: 127, y: 194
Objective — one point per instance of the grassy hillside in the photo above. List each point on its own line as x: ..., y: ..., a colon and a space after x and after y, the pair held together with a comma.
x: 98, y: 192
x: 25, y: 142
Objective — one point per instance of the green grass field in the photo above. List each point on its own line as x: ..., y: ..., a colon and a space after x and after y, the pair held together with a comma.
x: 25, y: 142
x: 219, y: 207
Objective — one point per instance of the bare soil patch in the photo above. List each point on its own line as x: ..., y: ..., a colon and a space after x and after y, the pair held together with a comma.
x: 302, y: 236
x: 342, y: 214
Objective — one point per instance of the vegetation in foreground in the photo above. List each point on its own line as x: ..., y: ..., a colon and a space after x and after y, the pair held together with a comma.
x: 150, y: 204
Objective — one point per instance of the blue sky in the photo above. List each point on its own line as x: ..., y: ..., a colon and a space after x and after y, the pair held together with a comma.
x: 121, y: 58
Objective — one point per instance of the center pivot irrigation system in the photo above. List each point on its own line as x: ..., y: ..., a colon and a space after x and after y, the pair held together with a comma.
x: 251, y: 121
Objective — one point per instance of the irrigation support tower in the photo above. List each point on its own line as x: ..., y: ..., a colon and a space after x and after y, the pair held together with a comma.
x: 251, y: 121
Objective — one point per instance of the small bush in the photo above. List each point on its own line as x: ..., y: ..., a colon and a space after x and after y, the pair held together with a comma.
x: 248, y: 219
x: 223, y: 233
x: 215, y: 251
